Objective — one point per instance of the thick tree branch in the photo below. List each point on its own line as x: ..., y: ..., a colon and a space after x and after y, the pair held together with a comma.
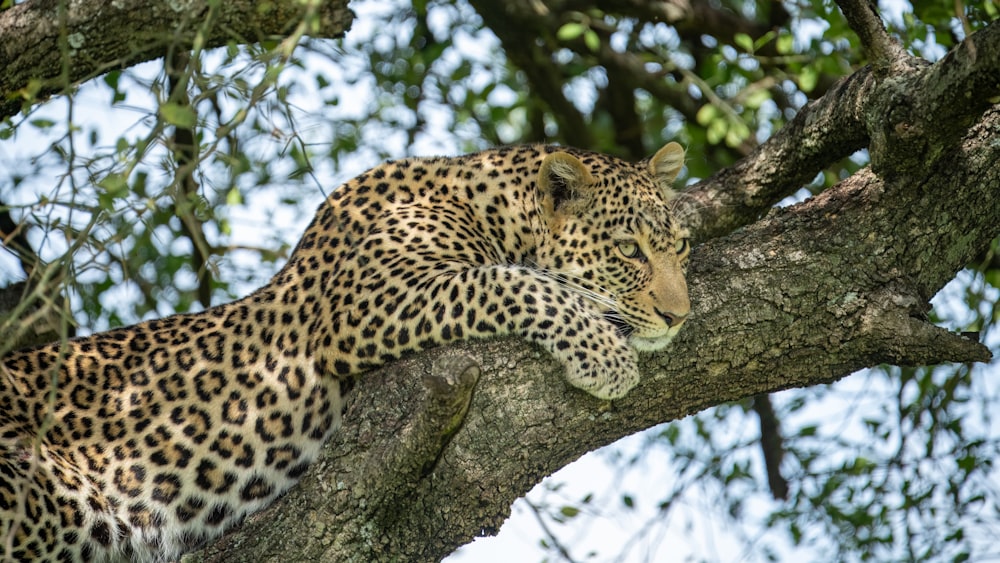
x: 47, y: 46
x: 803, y: 296
x: 772, y: 312
x: 959, y: 87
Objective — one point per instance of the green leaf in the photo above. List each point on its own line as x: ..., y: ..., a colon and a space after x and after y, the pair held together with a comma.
x: 112, y: 187
x: 716, y: 131
x: 234, y: 197
x: 756, y: 98
x: 736, y: 133
x: 111, y: 78
x: 764, y: 40
x: 570, y: 31
x: 31, y: 90
x: 785, y: 44
x: 569, y: 511
x: 671, y: 433
x: 178, y: 115
x: 628, y: 501
x: 808, y: 79
x: 992, y: 277
x: 591, y: 40
x: 706, y: 114
x: 744, y: 41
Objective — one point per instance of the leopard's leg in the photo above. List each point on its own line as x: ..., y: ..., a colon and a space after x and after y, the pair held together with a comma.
x: 447, y: 304
x: 521, y: 301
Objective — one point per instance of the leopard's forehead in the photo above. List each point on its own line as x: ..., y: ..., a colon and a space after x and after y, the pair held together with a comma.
x: 520, y: 159
x: 629, y: 196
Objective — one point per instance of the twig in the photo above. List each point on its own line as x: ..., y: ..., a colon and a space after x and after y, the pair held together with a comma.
x: 552, y: 537
x: 863, y: 17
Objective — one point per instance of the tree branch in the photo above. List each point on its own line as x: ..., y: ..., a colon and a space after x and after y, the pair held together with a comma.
x: 772, y: 445
x: 101, y: 36
x: 803, y: 296
x: 178, y: 65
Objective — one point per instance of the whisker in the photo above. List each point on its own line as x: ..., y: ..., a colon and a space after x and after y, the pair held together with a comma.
x: 623, y: 327
x: 607, y: 298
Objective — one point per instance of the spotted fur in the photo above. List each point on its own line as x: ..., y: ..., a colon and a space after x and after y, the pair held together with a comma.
x: 143, y: 442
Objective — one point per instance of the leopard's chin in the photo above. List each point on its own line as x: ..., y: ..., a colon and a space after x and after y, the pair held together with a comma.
x: 644, y: 344
x: 653, y: 343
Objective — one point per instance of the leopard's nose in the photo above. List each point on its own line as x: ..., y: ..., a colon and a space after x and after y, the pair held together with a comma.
x: 672, y: 319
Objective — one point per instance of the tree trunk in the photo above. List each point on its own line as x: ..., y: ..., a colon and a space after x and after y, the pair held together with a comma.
x: 803, y: 296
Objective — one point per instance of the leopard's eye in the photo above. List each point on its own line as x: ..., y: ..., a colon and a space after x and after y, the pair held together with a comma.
x: 681, y: 246
x: 629, y: 249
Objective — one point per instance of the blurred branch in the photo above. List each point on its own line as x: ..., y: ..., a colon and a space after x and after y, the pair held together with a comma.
x: 618, y: 99
x: 689, y: 17
x: 771, y: 444
x: 519, y: 26
x: 179, y: 69
x: 13, y: 238
x: 637, y: 75
x: 103, y: 36
x: 552, y: 539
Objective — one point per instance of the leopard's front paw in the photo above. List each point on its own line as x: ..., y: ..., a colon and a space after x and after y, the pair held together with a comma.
x: 608, y: 375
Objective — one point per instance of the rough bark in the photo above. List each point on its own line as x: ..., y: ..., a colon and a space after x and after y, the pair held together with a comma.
x: 47, y: 46
x: 804, y: 295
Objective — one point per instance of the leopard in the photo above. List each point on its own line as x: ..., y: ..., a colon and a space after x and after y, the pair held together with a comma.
x: 145, y: 442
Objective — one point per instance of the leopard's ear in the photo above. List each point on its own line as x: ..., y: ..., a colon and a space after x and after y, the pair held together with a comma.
x: 562, y: 180
x: 665, y: 165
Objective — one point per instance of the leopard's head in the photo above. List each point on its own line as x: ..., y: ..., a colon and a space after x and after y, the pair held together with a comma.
x: 615, y: 241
